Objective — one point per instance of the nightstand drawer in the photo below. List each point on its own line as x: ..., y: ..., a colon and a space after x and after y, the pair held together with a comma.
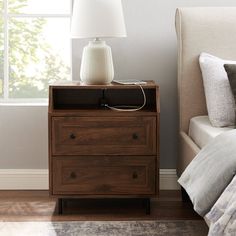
x: 104, y: 135
x: 104, y: 175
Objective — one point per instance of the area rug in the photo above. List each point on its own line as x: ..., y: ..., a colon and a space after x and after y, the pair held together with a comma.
x: 104, y: 228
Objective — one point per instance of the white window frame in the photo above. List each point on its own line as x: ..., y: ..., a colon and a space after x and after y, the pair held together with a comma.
x: 6, y: 17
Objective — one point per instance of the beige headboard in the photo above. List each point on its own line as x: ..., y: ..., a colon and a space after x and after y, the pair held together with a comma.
x: 208, y: 29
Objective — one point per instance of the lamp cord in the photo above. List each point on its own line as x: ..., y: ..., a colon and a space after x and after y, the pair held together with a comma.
x: 129, y: 108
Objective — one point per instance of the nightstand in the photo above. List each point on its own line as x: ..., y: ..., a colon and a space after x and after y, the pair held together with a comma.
x: 95, y: 152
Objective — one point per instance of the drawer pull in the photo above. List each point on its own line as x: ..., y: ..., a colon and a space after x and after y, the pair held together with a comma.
x: 135, y: 175
x: 73, y: 175
x: 135, y: 136
x: 72, y: 136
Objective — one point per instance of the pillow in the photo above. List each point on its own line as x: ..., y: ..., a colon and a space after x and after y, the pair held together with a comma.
x: 219, y: 98
x: 231, y: 71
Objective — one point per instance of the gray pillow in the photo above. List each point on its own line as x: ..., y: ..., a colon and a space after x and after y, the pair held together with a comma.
x: 231, y: 72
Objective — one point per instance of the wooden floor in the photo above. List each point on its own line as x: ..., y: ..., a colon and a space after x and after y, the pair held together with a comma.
x: 38, y: 206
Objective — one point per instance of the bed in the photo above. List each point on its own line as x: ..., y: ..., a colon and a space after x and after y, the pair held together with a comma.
x: 211, y: 30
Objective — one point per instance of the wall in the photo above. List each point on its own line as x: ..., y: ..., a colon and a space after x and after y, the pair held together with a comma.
x: 23, y: 137
x: 149, y: 52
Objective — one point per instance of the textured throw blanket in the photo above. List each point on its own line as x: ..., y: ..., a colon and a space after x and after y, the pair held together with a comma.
x: 210, y: 172
x: 222, y: 217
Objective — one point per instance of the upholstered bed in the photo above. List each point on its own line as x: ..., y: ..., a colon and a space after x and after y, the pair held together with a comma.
x: 207, y: 154
x: 211, y: 30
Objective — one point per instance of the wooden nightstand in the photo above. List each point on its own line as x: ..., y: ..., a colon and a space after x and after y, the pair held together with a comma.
x: 95, y: 152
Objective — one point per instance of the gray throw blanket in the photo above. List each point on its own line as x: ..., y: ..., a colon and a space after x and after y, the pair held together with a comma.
x: 210, y: 172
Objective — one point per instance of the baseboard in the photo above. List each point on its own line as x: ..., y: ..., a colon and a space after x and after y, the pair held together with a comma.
x: 23, y: 179
x: 168, y: 179
x: 37, y: 179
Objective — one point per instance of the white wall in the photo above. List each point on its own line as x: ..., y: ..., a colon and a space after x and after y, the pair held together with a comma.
x: 149, y: 52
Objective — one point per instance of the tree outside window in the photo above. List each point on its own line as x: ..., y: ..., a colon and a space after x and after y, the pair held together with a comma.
x: 36, y: 37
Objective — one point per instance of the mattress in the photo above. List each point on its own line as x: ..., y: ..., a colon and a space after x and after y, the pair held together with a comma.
x: 202, y: 132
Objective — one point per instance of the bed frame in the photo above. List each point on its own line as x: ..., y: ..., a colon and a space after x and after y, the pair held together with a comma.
x: 211, y: 30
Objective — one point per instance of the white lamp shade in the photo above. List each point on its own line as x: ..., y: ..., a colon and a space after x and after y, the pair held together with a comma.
x: 97, y: 19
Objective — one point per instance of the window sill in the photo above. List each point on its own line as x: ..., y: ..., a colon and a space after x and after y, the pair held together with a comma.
x: 24, y: 102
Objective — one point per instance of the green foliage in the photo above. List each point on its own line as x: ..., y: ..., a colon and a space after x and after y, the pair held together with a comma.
x: 14, y: 6
x: 1, y: 5
x: 1, y: 55
x: 29, y: 51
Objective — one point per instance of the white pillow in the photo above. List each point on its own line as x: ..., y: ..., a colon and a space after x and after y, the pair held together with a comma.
x: 219, y: 98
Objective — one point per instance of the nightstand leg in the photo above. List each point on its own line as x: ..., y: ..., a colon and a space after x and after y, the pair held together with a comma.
x: 60, y: 206
x: 147, y: 205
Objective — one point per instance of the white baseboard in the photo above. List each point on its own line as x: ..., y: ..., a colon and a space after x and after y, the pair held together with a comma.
x: 37, y: 179
x: 168, y: 179
x: 23, y: 179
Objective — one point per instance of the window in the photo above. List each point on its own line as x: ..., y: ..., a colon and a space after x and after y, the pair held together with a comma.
x: 35, y: 47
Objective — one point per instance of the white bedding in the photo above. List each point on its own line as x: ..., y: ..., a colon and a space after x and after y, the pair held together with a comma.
x: 222, y: 217
x: 202, y: 132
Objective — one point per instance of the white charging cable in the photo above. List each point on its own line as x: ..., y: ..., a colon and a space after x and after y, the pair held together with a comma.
x: 127, y: 107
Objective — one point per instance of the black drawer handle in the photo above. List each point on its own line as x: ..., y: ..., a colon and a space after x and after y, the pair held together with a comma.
x: 73, y: 175
x: 72, y: 136
x: 135, y: 175
x: 135, y: 136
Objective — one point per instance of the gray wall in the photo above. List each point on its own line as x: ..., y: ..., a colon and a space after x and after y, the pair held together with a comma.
x: 149, y: 52
x: 23, y: 137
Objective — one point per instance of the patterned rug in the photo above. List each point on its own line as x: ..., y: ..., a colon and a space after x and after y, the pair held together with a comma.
x: 104, y: 228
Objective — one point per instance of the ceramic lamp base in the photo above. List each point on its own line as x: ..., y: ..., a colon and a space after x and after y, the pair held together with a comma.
x: 97, y: 64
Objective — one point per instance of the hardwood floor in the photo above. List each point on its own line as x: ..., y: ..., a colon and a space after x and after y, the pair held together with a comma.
x: 38, y: 206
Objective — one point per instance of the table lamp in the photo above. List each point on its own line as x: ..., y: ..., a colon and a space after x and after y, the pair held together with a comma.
x: 97, y: 19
